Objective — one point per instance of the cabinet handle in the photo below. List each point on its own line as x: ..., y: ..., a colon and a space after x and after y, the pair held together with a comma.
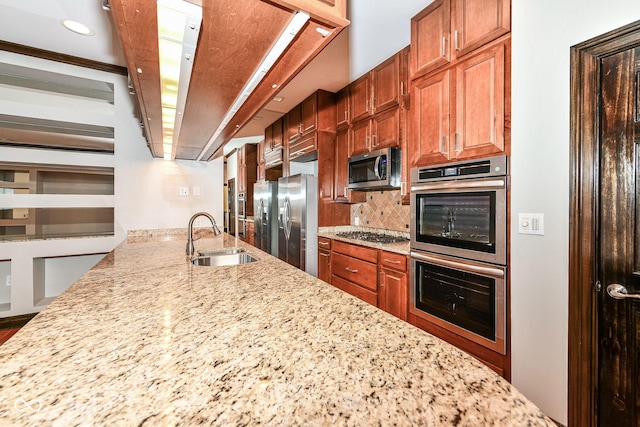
x: 373, y: 141
x: 366, y: 106
x: 401, y: 88
x: 403, y: 188
x: 390, y: 261
x: 366, y: 142
x: 323, y: 243
x: 345, y: 191
x: 444, y: 46
x: 373, y: 104
x: 381, y: 279
x: 444, y: 139
x: 326, y: 255
x: 350, y: 270
x: 455, y: 40
x: 346, y: 116
x: 456, y: 147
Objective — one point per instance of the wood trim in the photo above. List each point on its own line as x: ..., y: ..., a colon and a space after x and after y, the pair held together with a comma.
x: 16, y: 321
x: 61, y: 57
x: 583, y: 218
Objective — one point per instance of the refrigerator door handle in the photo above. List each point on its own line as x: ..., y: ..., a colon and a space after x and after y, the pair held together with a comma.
x: 288, y: 222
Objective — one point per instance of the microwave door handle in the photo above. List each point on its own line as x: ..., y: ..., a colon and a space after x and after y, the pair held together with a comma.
x: 376, y: 168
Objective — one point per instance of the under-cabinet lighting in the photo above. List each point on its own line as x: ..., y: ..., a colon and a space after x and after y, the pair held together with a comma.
x: 288, y: 35
x: 178, y: 27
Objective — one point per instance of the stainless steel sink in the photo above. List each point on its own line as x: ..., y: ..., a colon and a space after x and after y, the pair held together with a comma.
x: 225, y: 251
x: 223, y: 257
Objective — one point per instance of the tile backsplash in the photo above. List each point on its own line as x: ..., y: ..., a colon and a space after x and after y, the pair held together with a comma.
x: 383, y: 209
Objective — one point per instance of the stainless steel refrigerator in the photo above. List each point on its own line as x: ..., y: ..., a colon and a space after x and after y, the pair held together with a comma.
x: 298, y: 222
x: 265, y: 210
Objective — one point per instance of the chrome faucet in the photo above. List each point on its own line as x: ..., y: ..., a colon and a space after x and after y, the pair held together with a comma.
x: 216, y: 231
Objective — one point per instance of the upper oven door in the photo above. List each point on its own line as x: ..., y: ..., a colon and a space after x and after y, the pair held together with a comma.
x: 463, y: 218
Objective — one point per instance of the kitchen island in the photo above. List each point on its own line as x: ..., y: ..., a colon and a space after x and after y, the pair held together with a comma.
x: 147, y: 338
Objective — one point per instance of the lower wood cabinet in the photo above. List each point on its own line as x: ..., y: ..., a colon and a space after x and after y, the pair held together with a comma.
x: 393, y: 289
x: 354, y: 270
x: 324, y: 259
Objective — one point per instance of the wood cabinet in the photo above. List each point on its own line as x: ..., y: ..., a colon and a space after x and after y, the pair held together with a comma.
x: 249, y: 231
x: 381, y: 131
x: 324, y: 259
x: 341, y: 176
x: 461, y: 112
x: 449, y: 29
x: 393, y: 289
x: 317, y: 113
x: 343, y: 113
x: 274, y: 144
x: 354, y: 270
x: 380, y: 89
x: 247, y: 172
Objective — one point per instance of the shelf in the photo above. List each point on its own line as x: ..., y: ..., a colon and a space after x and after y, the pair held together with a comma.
x: 53, y: 275
x: 5, y: 291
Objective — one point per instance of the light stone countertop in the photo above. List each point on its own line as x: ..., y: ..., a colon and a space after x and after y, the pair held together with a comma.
x: 146, y: 338
x: 400, y: 247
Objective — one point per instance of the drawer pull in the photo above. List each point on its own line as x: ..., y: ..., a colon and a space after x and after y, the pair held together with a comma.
x: 392, y: 261
x: 350, y: 270
x: 324, y: 243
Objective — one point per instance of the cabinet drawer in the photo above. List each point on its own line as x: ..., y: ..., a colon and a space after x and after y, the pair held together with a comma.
x: 355, y: 290
x: 303, y: 146
x: 324, y: 243
x: 361, y: 252
x: 273, y: 158
x: 393, y: 260
x: 355, y: 270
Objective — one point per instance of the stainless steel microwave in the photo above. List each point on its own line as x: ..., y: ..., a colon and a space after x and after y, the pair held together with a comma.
x: 376, y: 170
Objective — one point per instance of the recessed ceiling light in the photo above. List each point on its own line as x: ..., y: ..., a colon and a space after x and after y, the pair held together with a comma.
x: 77, y: 27
x: 278, y: 99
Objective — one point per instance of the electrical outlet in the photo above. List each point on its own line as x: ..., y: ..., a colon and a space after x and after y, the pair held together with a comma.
x: 184, y: 191
x: 8, y: 281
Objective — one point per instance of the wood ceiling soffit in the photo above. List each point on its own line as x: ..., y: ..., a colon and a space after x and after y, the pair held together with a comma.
x: 330, y: 12
x: 231, y: 45
x: 137, y: 25
x: 307, y: 45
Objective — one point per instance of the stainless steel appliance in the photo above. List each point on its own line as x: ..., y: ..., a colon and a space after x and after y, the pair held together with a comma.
x: 464, y: 297
x: 298, y: 222
x: 460, y: 209
x: 376, y: 170
x: 231, y: 200
x: 459, y: 248
x: 242, y: 215
x: 265, y: 206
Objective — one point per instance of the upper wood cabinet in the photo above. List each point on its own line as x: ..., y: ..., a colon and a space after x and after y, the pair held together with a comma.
x: 316, y: 113
x: 380, y: 89
x: 381, y: 131
x: 341, y: 177
x: 343, y: 114
x: 449, y: 29
x: 461, y: 112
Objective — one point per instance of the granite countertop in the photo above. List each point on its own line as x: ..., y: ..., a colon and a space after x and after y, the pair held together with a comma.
x: 146, y: 338
x: 401, y: 247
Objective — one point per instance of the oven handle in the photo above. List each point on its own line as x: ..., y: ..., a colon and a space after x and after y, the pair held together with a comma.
x: 487, y: 271
x: 461, y: 185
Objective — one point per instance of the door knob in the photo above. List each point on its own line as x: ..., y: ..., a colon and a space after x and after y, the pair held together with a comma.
x: 618, y: 291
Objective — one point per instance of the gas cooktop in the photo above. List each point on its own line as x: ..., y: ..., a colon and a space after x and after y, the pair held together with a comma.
x: 371, y: 237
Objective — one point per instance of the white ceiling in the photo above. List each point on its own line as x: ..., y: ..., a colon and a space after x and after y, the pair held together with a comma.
x: 378, y: 29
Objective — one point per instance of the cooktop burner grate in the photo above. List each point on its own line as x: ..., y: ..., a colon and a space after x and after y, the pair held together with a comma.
x: 369, y: 236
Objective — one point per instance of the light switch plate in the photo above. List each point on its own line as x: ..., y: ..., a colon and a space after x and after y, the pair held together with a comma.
x: 184, y: 191
x: 531, y: 223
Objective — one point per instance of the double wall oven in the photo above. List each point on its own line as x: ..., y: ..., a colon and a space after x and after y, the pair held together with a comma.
x: 459, y: 248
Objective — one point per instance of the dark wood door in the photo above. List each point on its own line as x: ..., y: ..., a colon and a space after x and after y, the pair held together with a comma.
x: 619, y: 242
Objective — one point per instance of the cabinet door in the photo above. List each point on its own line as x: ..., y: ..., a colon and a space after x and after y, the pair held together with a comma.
x: 429, y: 128
x: 360, y: 138
x: 430, y: 41
x: 303, y: 146
x: 480, y: 103
x: 341, y: 166
x: 393, y: 293
x: 477, y: 22
x: 359, y: 98
x: 309, y: 114
x: 242, y: 178
x: 277, y: 132
x: 268, y: 139
x: 292, y: 123
x: 385, y: 129
x: 342, y: 108
x: 385, y: 80
x: 324, y: 266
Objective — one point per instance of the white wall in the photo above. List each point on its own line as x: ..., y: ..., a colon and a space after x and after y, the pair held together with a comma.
x: 146, y: 194
x: 542, y: 33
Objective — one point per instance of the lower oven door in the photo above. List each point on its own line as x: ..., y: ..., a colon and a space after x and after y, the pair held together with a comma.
x: 465, y: 297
